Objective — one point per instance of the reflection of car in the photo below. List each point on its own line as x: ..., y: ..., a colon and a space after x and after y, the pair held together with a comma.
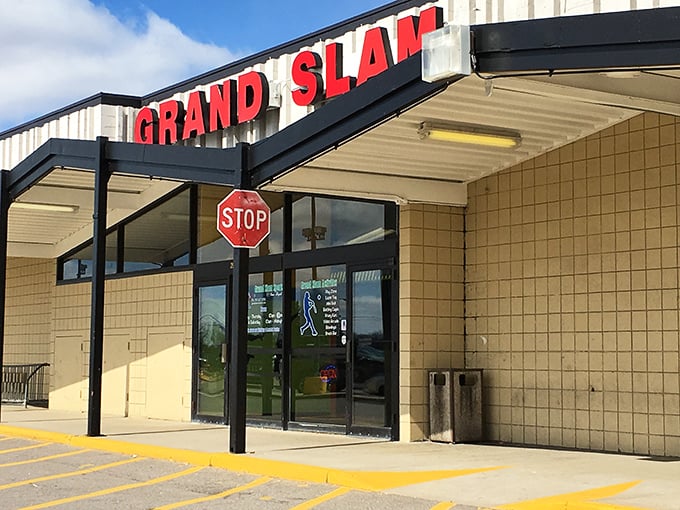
x: 375, y: 385
x: 369, y: 369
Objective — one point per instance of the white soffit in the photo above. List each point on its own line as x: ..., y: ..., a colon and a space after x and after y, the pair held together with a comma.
x: 48, y: 234
x: 392, y: 162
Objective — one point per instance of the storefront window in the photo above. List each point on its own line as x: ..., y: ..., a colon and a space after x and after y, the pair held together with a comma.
x: 319, y: 337
x: 323, y: 222
x: 213, y: 247
x: 79, y: 265
x: 265, y: 345
x: 160, y: 237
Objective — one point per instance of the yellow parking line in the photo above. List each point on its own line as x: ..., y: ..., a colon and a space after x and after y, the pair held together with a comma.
x: 321, y: 499
x: 11, y: 450
x: 6, y: 438
x: 113, y: 490
x: 444, y: 505
x: 213, y: 497
x: 40, y: 459
x: 67, y: 474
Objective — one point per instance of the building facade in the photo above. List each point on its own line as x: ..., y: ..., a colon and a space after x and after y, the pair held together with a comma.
x: 551, y: 264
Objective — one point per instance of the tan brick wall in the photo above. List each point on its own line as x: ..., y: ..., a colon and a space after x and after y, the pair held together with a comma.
x: 431, y: 302
x: 30, y: 284
x: 136, y: 308
x: 572, y: 293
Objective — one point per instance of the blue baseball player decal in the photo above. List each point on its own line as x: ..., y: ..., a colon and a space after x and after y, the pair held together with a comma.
x: 308, y: 305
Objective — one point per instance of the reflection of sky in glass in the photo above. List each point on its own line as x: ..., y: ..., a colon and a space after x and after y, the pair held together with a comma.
x: 346, y: 222
x: 212, y: 302
x: 367, y: 305
x: 367, y: 315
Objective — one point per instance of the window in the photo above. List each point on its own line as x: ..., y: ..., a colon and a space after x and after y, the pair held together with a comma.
x: 160, y: 237
x: 323, y: 222
x: 79, y: 264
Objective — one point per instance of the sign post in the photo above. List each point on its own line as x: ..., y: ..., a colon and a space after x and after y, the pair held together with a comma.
x: 243, y: 218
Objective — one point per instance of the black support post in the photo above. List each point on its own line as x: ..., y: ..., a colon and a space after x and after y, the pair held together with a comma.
x: 101, y: 182
x: 239, y: 329
x: 4, y: 213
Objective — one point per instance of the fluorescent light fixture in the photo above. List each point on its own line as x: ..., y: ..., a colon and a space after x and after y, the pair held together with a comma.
x: 470, y: 134
x: 34, y: 206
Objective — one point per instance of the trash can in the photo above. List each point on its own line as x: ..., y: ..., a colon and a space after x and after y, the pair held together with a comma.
x: 456, y: 405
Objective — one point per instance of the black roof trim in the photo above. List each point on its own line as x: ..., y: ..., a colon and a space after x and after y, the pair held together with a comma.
x: 623, y: 39
x: 95, y: 100
x: 330, y: 32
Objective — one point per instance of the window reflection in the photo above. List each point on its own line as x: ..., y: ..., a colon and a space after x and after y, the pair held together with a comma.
x: 159, y: 237
x: 319, y: 337
x: 80, y: 264
x: 265, y: 345
x: 320, y: 222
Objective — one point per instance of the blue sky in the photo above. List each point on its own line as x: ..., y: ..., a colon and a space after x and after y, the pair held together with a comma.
x: 56, y: 52
x: 250, y: 25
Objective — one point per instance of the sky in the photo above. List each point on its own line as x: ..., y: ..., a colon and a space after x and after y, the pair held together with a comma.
x: 56, y: 52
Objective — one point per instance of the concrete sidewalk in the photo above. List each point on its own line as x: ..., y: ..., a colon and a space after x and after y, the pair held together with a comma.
x: 476, y: 475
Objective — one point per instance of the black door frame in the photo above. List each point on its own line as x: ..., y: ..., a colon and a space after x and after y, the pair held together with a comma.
x: 210, y: 275
x: 391, y: 322
x: 354, y: 259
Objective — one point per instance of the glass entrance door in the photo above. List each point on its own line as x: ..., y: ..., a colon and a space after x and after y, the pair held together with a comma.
x: 372, y: 347
x: 336, y: 370
x: 319, y: 353
x: 212, y: 347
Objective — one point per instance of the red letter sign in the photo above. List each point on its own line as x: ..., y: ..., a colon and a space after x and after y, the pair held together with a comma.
x: 305, y: 76
x: 170, y: 124
x: 223, y: 105
x: 197, y: 112
x: 410, y: 31
x: 376, y: 55
x: 146, y: 126
x: 253, y: 96
x: 336, y: 83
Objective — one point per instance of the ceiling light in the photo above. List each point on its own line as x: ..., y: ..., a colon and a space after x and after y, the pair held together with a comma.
x: 470, y: 134
x: 34, y: 206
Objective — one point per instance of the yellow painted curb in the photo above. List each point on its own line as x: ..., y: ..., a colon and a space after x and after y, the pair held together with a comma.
x: 361, y: 480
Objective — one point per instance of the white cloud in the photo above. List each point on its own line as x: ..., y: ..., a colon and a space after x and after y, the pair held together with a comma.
x: 55, y: 52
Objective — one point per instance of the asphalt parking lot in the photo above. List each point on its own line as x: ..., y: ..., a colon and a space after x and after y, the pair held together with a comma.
x: 36, y: 474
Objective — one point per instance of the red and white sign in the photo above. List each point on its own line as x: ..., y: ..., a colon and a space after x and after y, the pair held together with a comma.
x: 313, y: 78
x: 243, y: 218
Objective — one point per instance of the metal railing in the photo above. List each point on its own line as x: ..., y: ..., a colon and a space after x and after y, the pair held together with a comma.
x: 25, y: 384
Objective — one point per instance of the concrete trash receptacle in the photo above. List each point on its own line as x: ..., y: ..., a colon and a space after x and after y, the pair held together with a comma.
x: 456, y: 405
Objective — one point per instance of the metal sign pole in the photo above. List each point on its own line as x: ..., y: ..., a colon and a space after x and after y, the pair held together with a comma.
x: 101, y: 181
x: 4, y: 213
x: 239, y: 332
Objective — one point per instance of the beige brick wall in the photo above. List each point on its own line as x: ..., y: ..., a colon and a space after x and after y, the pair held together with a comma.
x: 30, y: 283
x: 136, y: 310
x: 572, y: 293
x: 431, y: 306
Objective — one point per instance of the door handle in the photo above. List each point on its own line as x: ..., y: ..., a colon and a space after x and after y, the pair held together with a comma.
x: 224, y: 354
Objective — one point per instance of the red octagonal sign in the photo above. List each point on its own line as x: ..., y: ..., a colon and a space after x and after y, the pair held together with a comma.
x: 243, y: 218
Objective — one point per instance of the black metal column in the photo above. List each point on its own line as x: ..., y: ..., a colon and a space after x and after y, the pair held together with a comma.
x: 239, y: 329
x: 101, y: 182
x: 4, y: 213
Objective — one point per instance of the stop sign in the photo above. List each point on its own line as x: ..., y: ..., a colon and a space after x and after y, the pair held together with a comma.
x: 243, y: 218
